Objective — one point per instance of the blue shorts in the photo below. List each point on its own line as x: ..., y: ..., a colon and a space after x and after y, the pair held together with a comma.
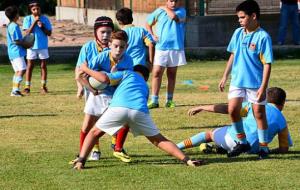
x: 222, y: 138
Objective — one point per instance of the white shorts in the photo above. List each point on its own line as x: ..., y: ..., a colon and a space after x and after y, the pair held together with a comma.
x: 247, y: 94
x: 18, y: 64
x: 114, y: 118
x: 96, y: 105
x: 37, y: 54
x: 223, y: 139
x: 169, y: 58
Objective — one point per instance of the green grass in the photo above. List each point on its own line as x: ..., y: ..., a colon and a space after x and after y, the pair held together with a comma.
x: 40, y: 134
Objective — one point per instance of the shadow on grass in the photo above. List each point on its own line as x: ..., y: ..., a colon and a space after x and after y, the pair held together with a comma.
x: 26, y: 115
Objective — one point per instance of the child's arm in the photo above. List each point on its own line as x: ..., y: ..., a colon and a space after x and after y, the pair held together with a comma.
x: 226, y: 73
x: 217, y: 108
x: 99, y: 76
x: 151, y: 49
x: 23, y: 43
x: 283, y: 142
x: 43, y: 28
x: 29, y: 30
x: 172, y: 14
x: 261, y: 93
x: 150, y: 30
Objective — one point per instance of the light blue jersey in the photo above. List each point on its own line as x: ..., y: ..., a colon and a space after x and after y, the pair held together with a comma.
x: 41, y: 39
x: 276, y: 124
x: 138, y: 38
x: 170, y: 33
x: 251, y: 51
x: 104, y: 62
x: 88, y: 51
x: 13, y: 33
x: 132, y: 91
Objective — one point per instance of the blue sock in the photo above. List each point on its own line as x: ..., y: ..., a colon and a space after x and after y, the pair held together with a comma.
x: 263, y: 139
x: 193, y: 141
x: 239, y: 131
x: 154, y: 99
x: 169, y: 96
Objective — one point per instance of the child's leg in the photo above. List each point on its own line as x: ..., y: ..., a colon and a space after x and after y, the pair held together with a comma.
x: 88, y: 122
x: 234, y: 107
x: 262, y: 126
x: 158, y: 71
x: 43, y: 73
x: 79, y: 86
x: 195, y: 140
x: 91, y: 138
x: 30, y: 65
x: 171, y: 75
x: 164, y: 144
x: 120, y: 138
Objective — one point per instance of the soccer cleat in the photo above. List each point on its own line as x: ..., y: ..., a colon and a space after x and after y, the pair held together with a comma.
x: 170, y: 104
x: 26, y: 91
x: 123, y: 156
x: 263, y: 155
x: 238, y: 149
x: 207, y: 148
x: 44, y: 90
x: 152, y: 105
x: 195, y: 163
x: 94, y: 156
x: 16, y: 94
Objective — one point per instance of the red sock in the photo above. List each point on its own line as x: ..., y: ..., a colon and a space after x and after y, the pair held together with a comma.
x: 82, y: 137
x: 121, y: 137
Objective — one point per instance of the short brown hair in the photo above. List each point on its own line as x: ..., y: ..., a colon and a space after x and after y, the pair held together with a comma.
x: 276, y: 95
x: 119, y: 35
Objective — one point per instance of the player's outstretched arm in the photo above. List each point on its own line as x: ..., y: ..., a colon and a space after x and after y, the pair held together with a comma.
x: 217, y: 108
x: 99, y: 76
x: 227, y: 71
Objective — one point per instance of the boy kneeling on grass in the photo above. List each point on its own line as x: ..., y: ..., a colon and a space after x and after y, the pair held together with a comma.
x: 128, y: 106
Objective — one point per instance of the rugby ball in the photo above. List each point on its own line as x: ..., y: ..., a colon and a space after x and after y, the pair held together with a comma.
x: 29, y: 39
x: 97, y: 84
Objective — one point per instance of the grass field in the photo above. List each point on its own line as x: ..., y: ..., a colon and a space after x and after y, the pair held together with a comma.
x: 40, y: 134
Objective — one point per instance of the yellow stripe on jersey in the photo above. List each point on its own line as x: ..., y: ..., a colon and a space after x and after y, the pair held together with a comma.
x: 262, y: 59
x: 114, y: 82
x: 99, y: 48
x: 283, y: 139
x: 112, y: 62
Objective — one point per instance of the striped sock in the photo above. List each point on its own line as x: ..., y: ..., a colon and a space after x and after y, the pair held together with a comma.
x: 194, y: 141
x: 27, y: 84
x: 154, y: 99
x: 239, y: 131
x: 44, y: 83
x: 263, y: 139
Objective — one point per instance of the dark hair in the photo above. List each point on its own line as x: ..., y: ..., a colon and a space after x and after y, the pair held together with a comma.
x: 11, y: 12
x: 33, y: 3
x: 124, y: 16
x: 249, y: 7
x: 119, y: 35
x: 276, y: 95
x: 143, y: 70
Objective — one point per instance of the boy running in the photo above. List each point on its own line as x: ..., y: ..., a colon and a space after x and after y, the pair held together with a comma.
x: 250, y: 68
x: 128, y: 106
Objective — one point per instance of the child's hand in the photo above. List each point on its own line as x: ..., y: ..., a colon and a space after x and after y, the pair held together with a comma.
x: 194, y: 111
x: 261, y: 94
x: 40, y: 24
x: 222, y: 84
x: 155, y: 38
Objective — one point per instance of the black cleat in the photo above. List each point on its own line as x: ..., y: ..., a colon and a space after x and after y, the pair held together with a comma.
x: 263, y: 155
x: 239, y: 149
